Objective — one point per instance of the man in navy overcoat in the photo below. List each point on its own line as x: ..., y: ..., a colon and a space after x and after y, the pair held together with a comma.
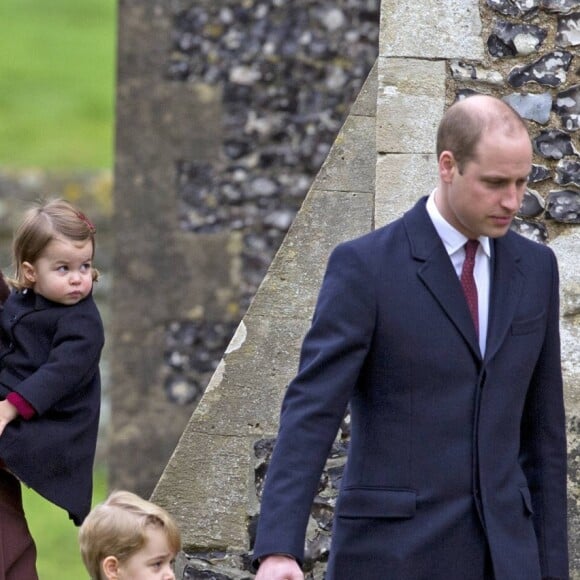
x: 457, y: 460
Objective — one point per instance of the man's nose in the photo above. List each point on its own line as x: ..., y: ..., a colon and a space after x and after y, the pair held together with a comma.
x: 512, y: 197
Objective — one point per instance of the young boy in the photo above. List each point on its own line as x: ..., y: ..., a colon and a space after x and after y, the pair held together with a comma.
x: 129, y: 538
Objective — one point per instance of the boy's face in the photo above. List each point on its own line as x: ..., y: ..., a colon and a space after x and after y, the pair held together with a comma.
x: 63, y: 271
x: 153, y: 562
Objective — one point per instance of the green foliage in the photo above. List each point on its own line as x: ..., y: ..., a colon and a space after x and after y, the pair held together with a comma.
x: 56, y: 535
x: 57, y: 83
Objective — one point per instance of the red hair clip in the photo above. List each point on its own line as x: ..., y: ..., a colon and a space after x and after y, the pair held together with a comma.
x: 86, y: 220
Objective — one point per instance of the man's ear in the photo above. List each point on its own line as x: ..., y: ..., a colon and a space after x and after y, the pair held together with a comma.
x: 29, y: 272
x: 110, y: 566
x: 447, y: 166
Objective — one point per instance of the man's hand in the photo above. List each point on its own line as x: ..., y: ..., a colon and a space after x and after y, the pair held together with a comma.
x: 279, y: 568
x: 8, y: 413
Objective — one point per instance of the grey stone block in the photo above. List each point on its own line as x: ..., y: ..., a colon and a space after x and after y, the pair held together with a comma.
x: 410, y: 103
x: 427, y: 29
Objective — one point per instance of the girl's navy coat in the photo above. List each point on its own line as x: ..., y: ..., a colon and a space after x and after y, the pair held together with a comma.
x: 50, y: 355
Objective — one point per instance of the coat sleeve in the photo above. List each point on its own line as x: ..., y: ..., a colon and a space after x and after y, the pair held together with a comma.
x: 72, y: 362
x: 332, y: 355
x: 543, y: 446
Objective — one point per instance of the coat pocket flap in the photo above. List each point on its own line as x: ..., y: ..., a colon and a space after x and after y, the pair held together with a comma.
x: 377, y: 503
x: 529, y: 325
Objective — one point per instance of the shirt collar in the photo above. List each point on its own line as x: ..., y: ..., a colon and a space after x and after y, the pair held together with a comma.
x: 452, y: 239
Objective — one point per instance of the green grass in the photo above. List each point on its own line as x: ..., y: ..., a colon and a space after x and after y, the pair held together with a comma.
x: 57, y: 81
x: 55, y: 534
x: 57, y: 75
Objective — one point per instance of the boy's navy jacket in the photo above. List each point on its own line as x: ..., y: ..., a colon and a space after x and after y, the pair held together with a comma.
x: 50, y: 355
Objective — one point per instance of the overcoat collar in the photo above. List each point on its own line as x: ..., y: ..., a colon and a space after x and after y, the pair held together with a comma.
x: 507, y: 284
x: 29, y: 299
x: 437, y: 273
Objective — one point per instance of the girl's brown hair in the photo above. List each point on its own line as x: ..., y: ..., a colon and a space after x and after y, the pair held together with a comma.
x: 41, y: 224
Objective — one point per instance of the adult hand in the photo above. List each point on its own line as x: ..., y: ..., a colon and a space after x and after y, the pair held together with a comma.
x: 279, y: 568
x: 8, y: 413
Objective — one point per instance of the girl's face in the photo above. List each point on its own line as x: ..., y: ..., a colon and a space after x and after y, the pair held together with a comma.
x: 63, y: 271
x: 153, y: 562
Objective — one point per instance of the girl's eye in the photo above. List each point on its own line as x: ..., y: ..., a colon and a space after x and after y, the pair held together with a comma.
x: 85, y: 267
x: 62, y: 269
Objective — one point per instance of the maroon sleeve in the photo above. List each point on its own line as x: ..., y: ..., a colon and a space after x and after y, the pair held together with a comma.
x: 24, y: 408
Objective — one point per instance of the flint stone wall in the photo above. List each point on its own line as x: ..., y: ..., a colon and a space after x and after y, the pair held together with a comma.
x: 225, y: 112
x: 414, y: 82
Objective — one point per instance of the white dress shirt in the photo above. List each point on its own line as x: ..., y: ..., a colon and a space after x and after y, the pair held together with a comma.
x: 454, y: 243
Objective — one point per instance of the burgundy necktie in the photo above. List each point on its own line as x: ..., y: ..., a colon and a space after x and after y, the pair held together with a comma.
x: 468, y: 281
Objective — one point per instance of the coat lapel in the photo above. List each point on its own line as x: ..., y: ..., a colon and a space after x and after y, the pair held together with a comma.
x: 437, y: 272
x: 506, y: 286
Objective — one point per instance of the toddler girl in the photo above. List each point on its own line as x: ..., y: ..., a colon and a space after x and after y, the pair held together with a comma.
x: 51, y: 338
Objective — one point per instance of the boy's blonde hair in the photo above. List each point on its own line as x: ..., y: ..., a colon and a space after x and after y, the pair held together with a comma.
x: 117, y: 527
x: 42, y: 223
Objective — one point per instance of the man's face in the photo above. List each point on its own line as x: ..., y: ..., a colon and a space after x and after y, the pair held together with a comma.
x: 483, y: 199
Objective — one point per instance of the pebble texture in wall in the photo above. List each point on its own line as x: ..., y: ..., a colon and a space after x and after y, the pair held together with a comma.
x: 289, y: 75
x: 532, y: 64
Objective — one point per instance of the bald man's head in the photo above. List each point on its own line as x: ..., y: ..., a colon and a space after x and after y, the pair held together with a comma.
x: 465, y: 122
